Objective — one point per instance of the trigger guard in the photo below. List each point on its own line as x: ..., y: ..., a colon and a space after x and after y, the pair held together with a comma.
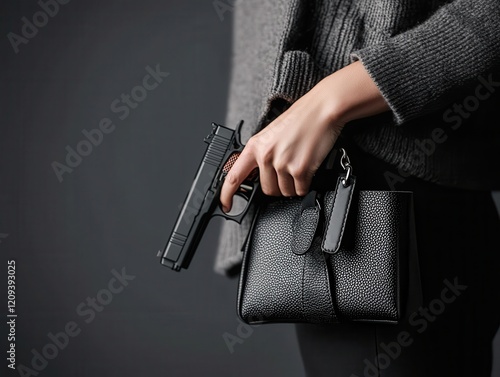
x: 248, y: 197
x: 244, y: 194
x: 237, y: 218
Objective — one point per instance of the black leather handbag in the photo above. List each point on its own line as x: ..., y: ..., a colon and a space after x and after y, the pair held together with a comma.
x: 339, y: 255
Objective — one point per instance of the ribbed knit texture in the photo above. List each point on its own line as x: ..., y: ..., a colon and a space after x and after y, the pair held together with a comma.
x: 423, y: 56
x: 458, y: 43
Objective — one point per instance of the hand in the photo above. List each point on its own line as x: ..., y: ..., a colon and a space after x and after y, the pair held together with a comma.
x: 292, y: 147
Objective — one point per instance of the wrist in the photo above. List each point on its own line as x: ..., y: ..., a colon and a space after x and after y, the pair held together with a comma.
x: 352, y: 94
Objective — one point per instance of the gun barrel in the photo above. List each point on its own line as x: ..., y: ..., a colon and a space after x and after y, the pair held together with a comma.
x: 200, y: 202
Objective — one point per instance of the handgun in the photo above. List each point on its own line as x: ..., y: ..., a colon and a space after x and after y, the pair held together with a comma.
x: 202, y: 201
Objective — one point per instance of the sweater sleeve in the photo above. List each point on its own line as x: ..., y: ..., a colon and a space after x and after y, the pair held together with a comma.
x: 418, y: 70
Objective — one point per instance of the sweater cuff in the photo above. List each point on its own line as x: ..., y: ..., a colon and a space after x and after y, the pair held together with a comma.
x: 420, y: 70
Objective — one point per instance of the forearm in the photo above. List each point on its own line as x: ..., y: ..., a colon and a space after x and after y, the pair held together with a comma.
x: 354, y: 94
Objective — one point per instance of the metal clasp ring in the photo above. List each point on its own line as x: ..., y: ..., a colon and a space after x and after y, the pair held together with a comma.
x: 346, y: 165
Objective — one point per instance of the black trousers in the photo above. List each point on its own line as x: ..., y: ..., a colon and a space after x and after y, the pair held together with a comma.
x: 450, y: 335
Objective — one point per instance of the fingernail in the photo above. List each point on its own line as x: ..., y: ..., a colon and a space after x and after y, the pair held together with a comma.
x: 225, y: 209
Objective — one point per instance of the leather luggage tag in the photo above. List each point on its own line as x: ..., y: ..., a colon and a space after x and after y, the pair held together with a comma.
x: 336, y: 221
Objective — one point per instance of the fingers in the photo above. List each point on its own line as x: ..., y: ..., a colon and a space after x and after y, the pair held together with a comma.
x: 239, y: 172
x: 302, y: 181
x: 287, y: 158
x: 285, y: 179
x: 286, y: 184
x: 268, y: 180
x: 276, y: 178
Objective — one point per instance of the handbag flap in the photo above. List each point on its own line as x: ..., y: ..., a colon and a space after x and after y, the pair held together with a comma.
x: 305, y: 224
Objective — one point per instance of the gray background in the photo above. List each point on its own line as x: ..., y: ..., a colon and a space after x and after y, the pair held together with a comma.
x: 117, y: 207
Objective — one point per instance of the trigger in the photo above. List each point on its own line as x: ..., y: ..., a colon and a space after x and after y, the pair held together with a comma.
x: 246, y: 188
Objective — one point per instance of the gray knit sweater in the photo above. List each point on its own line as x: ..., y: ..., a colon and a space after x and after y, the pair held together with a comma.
x: 426, y: 56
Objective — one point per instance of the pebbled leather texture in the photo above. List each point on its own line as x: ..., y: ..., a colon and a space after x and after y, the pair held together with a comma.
x: 361, y: 282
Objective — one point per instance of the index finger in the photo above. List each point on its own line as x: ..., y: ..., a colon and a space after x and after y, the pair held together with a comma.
x: 241, y: 169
